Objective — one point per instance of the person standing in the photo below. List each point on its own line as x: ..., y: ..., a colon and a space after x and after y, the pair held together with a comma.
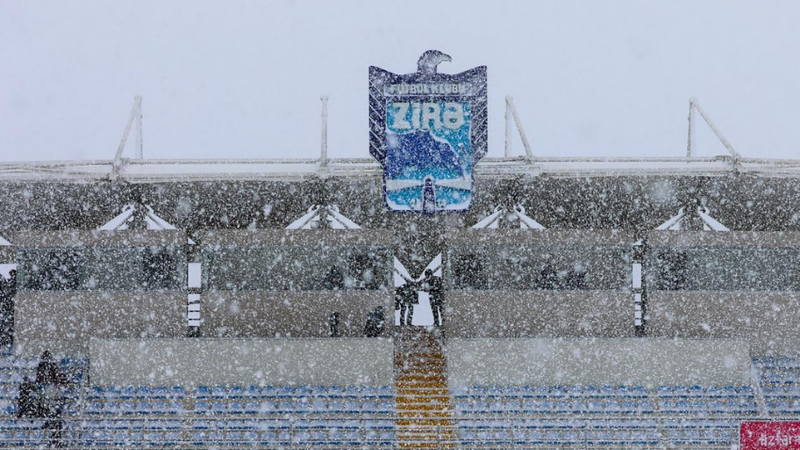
x: 8, y: 289
x: 28, y: 403
x: 50, y: 380
x: 333, y: 323
x: 375, y: 323
x: 409, y: 296
x: 435, y: 289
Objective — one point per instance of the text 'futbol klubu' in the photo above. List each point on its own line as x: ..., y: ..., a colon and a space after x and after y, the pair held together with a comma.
x: 428, y: 130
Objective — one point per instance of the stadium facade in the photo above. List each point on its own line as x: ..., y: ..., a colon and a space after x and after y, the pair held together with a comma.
x: 640, y: 273
x: 587, y: 302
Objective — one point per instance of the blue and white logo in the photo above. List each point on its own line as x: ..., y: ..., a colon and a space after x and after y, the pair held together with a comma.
x: 423, y: 131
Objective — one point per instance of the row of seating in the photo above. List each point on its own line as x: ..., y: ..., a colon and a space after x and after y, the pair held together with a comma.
x: 738, y: 407
x: 780, y: 384
x: 89, y: 433
x: 126, y: 407
x: 596, y: 438
x: 286, y: 406
x: 135, y: 392
x: 207, y: 439
x: 602, y: 391
x: 233, y: 392
x: 237, y: 392
x: 318, y: 405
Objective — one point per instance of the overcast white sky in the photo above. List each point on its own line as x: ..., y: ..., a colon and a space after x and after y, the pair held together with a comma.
x: 243, y: 79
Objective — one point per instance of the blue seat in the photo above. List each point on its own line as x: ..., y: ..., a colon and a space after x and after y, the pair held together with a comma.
x: 235, y: 407
x: 218, y: 408
x: 144, y: 392
x: 268, y: 406
x: 574, y: 391
x: 613, y: 406
x: 252, y: 392
x: 252, y: 407
x: 318, y: 405
x: 161, y: 392
x: 513, y: 406
x: 159, y: 407
x: 96, y: 392
x: 695, y: 390
x: 269, y: 391
x: 201, y: 407
x: 127, y: 392
x: 562, y: 407
x: 236, y: 392
x: 94, y: 407
x: 126, y: 407
x: 219, y: 392
x: 285, y: 391
x: 579, y: 407
x: 144, y: 408
x: 537, y: 406
x: 558, y: 391
x: 203, y: 392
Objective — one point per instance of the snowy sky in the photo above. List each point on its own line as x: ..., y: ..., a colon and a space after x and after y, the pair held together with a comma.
x: 243, y: 79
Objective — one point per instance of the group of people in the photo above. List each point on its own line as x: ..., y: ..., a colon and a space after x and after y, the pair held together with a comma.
x: 43, y: 398
x: 407, y: 295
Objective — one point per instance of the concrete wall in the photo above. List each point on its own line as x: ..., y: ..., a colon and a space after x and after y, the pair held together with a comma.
x: 63, y: 322
x: 647, y: 362
x: 566, y: 314
x: 295, y: 314
x: 98, y: 238
x: 192, y: 362
x: 768, y: 321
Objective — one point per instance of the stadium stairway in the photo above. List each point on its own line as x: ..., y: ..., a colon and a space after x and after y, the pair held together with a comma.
x: 423, y: 405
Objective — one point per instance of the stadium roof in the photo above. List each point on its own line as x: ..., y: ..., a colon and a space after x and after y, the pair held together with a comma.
x: 143, y: 171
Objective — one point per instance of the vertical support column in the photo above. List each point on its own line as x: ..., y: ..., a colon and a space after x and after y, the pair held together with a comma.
x: 194, y: 283
x: 690, y: 138
x: 639, y: 288
x: 323, y: 156
x: 513, y: 110
x: 509, y: 133
x: 137, y: 104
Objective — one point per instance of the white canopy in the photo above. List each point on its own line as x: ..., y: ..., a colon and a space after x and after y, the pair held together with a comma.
x: 502, y: 213
x: 311, y: 219
x: 127, y: 218
x: 709, y: 223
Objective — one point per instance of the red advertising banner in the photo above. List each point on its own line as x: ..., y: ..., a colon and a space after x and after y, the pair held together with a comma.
x: 769, y: 435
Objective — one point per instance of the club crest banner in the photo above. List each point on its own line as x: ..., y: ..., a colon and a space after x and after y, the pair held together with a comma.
x: 428, y: 130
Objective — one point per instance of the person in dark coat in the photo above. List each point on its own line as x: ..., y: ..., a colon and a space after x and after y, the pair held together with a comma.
x: 333, y: 323
x: 48, y: 373
x: 435, y: 289
x: 8, y: 289
x: 50, y: 379
x: 28, y: 403
x: 375, y: 323
x: 548, y: 278
x: 334, y: 280
x: 408, y: 296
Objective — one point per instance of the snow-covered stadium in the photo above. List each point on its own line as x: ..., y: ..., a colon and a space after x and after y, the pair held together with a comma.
x: 588, y: 303
x: 578, y: 303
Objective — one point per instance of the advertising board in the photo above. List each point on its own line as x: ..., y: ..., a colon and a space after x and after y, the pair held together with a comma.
x: 766, y: 435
